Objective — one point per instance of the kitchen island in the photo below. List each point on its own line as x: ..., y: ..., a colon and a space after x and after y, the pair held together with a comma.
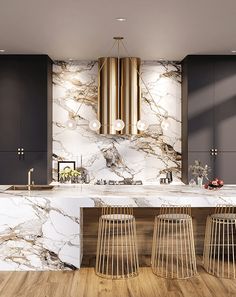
x: 43, y: 230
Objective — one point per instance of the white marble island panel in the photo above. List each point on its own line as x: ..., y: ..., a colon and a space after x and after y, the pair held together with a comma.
x: 42, y: 230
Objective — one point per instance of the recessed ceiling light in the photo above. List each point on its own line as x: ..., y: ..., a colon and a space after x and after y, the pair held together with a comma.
x: 233, y: 51
x: 2, y: 50
x: 121, y: 19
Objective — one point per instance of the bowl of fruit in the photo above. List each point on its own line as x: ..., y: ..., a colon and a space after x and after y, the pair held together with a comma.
x: 216, y: 183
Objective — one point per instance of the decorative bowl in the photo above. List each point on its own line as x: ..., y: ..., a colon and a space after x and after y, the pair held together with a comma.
x: 215, y: 186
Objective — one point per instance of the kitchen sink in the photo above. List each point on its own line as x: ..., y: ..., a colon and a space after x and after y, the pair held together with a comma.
x: 32, y: 188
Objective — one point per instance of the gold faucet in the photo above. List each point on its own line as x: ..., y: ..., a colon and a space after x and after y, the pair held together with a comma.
x: 29, y: 178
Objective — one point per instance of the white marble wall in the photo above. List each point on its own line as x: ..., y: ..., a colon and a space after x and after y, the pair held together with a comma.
x: 142, y: 157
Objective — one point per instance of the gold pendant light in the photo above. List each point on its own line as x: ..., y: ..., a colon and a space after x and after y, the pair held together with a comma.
x: 108, y: 92
x: 119, y: 96
x: 130, y: 95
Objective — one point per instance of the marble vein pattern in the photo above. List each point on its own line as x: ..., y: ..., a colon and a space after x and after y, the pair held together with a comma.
x: 143, y: 157
x: 39, y: 234
x: 42, y: 230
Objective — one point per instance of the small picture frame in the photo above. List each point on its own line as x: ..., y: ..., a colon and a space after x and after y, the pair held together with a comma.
x: 65, y: 164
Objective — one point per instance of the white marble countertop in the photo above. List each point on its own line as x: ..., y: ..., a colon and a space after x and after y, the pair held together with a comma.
x: 43, y: 230
x: 137, y: 196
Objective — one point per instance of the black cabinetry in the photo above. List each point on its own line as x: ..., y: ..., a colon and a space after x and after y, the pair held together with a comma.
x: 25, y: 118
x: 209, y: 114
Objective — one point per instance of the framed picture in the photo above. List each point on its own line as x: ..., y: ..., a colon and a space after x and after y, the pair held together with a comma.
x: 63, y: 165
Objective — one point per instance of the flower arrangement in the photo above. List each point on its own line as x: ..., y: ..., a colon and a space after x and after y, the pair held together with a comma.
x: 198, y: 170
x: 68, y: 175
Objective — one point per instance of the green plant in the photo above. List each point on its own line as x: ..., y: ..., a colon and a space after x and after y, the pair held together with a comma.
x: 67, y: 173
x: 75, y: 173
x: 198, y: 170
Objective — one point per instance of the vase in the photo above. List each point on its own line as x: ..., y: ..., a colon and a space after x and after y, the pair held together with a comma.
x: 199, y: 181
x: 192, y: 182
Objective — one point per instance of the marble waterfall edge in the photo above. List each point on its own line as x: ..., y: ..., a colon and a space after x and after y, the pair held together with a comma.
x: 43, y: 230
x: 142, y: 157
x: 39, y: 234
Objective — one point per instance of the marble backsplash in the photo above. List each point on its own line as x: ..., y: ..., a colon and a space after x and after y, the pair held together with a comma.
x: 143, y: 157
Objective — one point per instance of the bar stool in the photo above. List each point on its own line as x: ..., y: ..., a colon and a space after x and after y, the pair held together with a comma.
x: 173, y: 252
x: 219, y: 245
x: 117, y: 255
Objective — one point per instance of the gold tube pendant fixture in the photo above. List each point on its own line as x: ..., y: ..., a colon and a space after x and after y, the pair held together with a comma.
x: 108, y: 103
x: 130, y: 94
x: 119, y: 95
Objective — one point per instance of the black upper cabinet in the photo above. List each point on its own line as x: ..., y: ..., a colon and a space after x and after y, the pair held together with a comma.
x: 24, y: 104
x: 209, y: 114
x: 225, y: 103
x: 10, y: 104
x: 200, y: 104
x: 34, y: 133
x: 25, y: 118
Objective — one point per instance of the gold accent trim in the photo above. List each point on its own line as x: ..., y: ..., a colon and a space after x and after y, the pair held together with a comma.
x: 130, y: 94
x: 108, y: 94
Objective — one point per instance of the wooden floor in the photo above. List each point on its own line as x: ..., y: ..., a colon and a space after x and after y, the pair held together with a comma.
x: 85, y: 283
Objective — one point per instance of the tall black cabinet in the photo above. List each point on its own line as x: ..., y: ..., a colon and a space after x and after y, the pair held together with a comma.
x: 209, y: 114
x: 25, y: 118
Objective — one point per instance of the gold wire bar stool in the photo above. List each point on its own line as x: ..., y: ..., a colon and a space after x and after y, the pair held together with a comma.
x: 220, y: 244
x: 117, y: 254
x: 173, y: 251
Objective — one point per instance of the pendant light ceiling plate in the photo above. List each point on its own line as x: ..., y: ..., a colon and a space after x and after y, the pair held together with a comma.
x: 118, y: 38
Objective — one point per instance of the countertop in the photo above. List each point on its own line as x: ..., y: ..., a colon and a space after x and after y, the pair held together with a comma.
x: 137, y: 196
x: 43, y: 230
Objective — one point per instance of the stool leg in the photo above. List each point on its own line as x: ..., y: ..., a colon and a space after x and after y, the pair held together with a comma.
x: 135, y: 247
x: 108, y: 247
x: 154, y: 245
x: 98, y: 257
x: 233, y: 227
x: 192, y: 248
x: 206, y: 250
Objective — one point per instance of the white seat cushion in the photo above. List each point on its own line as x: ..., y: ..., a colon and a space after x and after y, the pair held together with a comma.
x: 224, y: 216
x: 117, y: 217
x: 174, y: 216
